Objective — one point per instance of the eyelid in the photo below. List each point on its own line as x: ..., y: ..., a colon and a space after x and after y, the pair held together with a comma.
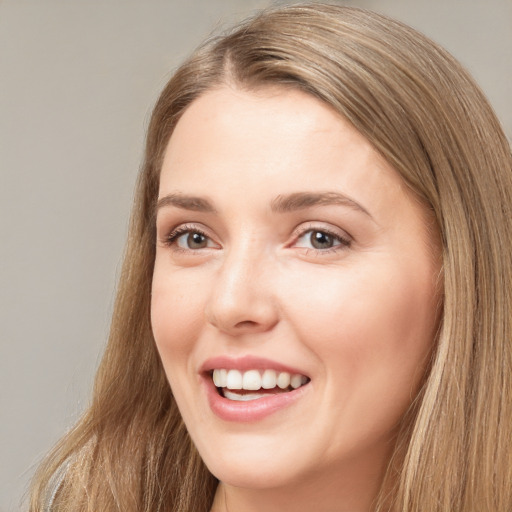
x: 344, y: 238
x: 170, y: 236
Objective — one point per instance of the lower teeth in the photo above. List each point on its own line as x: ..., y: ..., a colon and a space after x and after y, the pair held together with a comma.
x: 245, y: 396
x: 242, y: 398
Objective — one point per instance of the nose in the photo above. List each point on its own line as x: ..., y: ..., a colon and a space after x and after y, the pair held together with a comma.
x: 242, y: 298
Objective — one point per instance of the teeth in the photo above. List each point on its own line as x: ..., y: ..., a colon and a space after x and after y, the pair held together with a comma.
x: 253, y: 380
x: 237, y: 397
x: 283, y: 380
x: 269, y: 379
x: 220, y: 378
x: 234, y: 380
x: 296, y: 381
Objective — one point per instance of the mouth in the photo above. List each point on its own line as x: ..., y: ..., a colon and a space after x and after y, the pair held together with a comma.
x: 249, y: 389
x: 254, y: 384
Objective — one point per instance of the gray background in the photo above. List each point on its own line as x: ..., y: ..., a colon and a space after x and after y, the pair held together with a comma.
x: 77, y: 82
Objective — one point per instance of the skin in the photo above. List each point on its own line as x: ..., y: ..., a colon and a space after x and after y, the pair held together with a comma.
x: 358, y: 318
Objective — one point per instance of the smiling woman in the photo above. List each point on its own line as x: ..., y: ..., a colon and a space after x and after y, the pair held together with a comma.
x: 288, y: 287
x: 315, y: 309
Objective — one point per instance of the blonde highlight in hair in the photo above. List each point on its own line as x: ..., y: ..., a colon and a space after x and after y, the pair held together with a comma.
x: 426, y: 116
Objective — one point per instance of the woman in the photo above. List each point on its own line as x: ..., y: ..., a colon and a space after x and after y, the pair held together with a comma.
x: 314, y: 311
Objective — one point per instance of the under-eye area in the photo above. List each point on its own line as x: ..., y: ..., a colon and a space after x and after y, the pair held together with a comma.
x: 249, y: 385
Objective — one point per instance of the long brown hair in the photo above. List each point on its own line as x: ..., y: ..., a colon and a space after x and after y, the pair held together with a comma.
x: 425, y: 115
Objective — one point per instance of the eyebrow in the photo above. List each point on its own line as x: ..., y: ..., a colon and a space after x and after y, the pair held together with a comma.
x: 196, y: 204
x: 303, y: 200
x: 281, y: 204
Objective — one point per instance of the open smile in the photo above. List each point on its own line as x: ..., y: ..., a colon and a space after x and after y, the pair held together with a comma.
x: 255, y: 384
x: 252, y: 390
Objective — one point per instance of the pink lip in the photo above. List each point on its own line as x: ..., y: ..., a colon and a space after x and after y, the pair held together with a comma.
x: 246, y: 363
x: 253, y: 410
x: 246, y: 412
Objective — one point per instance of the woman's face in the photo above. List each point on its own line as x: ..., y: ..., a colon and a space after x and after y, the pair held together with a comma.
x: 288, y: 249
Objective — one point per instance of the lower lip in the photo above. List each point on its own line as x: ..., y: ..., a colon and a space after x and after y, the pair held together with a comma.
x: 252, y: 410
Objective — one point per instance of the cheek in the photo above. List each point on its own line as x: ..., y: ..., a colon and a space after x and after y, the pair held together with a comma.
x: 177, y: 312
x: 363, y: 304
x: 371, y: 329
x: 177, y: 317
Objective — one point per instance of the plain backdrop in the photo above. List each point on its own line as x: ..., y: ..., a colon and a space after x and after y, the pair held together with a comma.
x: 77, y: 82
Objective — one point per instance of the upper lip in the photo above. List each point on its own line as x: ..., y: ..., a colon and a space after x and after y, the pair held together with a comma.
x: 247, y: 363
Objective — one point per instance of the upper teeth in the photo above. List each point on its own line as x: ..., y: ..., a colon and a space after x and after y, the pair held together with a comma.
x: 254, y: 379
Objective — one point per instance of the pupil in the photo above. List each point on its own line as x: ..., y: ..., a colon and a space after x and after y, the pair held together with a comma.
x: 320, y: 240
x: 196, y: 241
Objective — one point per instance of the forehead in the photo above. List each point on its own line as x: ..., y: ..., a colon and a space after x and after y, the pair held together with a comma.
x: 270, y: 131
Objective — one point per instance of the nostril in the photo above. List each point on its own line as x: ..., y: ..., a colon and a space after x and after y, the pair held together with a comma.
x: 246, y: 323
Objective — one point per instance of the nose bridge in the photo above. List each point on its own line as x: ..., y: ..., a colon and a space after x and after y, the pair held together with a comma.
x: 242, y: 297
x: 238, y: 267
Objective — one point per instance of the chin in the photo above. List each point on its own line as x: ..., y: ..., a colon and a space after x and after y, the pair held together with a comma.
x: 254, y: 469
x: 249, y: 476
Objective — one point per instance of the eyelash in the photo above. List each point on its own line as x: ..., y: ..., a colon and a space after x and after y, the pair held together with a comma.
x: 172, y: 237
x: 344, y: 242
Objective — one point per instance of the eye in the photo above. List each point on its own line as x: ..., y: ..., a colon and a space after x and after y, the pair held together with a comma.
x: 321, y: 240
x: 189, y: 238
x: 192, y: 241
